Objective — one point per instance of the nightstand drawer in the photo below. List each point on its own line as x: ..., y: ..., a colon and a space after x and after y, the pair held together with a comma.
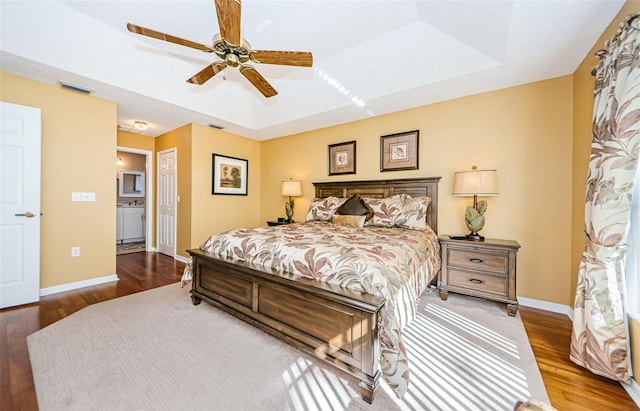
x: 478, y: 281
x: 476, y: 260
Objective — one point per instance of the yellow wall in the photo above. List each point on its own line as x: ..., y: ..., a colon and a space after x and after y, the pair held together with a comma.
x: 215, y: 213
x: 524, y: 132
x: 78, y: 155
x: 126, y: 139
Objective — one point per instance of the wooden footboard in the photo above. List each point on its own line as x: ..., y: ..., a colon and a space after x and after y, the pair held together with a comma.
x: 337, y: 325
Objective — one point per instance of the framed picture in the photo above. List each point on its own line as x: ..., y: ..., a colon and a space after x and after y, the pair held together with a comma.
x: 229, y: 175
x: 399, y: 151
x: 342, y: 158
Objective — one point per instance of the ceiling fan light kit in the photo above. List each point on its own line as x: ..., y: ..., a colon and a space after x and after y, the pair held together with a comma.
x: 233, y: 50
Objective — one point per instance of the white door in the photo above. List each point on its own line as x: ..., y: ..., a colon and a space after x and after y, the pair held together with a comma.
x: 167, y: 202
x: 20, y: 204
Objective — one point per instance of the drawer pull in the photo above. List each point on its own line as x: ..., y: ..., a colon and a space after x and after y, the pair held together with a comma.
x: 476, y: 281
x: 476, y: 260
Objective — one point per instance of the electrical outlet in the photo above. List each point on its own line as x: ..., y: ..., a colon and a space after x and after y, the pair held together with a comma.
x: 75, y: 251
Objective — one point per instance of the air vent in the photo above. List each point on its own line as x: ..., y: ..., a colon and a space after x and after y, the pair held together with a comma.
x: 74, y: 87
x: 216, y: 126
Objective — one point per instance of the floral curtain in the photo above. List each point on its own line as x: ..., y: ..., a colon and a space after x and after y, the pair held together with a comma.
x: 599, y: 339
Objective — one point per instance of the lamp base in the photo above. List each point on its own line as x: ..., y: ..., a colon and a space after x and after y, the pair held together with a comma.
x: 288, y: 208
x: 473, y: 236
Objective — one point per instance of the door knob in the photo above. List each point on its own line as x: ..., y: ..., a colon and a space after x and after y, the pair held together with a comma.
x: 28, y: 214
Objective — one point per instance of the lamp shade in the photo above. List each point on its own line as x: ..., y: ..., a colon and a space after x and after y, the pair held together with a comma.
x: 475, y: 182
x: 291, y: 188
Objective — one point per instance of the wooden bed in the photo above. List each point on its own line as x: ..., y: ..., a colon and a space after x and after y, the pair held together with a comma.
x: 332, y: 323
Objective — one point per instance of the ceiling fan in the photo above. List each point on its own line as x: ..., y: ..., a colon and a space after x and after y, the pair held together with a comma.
x: 233, y: 49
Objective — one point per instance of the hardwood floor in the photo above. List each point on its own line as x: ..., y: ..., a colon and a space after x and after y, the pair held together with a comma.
x: 569, y: 386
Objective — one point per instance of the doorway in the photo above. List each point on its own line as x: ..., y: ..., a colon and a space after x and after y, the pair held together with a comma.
x: 134, y: 213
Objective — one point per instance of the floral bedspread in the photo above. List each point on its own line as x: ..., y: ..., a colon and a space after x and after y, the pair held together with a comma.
x: 393, y: 263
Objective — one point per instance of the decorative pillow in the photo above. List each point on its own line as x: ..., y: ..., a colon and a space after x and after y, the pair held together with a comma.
x: 355, y: 206
x: 400, y: 211
x: 322, y: 209
x: 413, y: 213
x: 356, y: 221
x: 384, y: 211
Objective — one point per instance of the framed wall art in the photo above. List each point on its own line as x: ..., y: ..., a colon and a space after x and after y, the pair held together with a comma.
x: 342, y: 158
x: 399, y: 151
x: 229, y: 175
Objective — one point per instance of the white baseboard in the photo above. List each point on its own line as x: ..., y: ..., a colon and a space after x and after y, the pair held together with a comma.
x: 182, y: 259
x: 547, y: 306
x: 94, y: 281
x: 633, y: 390
x: 77, y: 284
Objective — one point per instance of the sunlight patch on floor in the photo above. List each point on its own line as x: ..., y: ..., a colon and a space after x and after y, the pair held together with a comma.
x: 455, y: 364
x: 458, y: 364
x: 481, y: 332
x: 312, y: 388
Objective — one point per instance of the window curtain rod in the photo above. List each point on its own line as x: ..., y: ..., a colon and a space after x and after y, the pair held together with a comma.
x: 621, y: 28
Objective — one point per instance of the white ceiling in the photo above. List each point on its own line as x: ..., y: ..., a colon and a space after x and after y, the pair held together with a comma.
x: 370, y: 57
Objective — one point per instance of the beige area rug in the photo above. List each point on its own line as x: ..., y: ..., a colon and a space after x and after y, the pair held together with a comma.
x: 156, y: 351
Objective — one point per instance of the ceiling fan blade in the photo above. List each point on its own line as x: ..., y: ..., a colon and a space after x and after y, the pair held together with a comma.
x: 206, y: 73
x: 257, y: 80
x: 228, y: 12
x: 286, y: 58
x: 167, y: 37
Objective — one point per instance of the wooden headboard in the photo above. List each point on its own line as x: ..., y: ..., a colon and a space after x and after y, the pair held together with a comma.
x: 415, y: 187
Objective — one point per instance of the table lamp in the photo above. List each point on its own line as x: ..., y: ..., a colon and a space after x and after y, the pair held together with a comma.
x: 475, y: 183
x: 291, y: 188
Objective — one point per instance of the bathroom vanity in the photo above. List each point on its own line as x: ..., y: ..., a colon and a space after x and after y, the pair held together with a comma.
x: 130, y: 223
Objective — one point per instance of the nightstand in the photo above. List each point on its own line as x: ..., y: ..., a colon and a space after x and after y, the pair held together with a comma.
x: 274, y: 223
x: 485, y: 269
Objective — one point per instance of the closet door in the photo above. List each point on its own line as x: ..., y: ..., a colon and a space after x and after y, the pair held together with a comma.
x: 167, y: 202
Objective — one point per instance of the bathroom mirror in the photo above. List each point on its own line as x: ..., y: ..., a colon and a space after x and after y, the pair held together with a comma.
x: 131, y: 183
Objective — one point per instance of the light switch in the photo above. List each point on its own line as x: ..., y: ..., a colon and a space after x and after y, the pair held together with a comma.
x: 77, y: 196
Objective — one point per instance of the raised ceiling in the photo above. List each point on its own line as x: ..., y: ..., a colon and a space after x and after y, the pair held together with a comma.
x: 370, y: 57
